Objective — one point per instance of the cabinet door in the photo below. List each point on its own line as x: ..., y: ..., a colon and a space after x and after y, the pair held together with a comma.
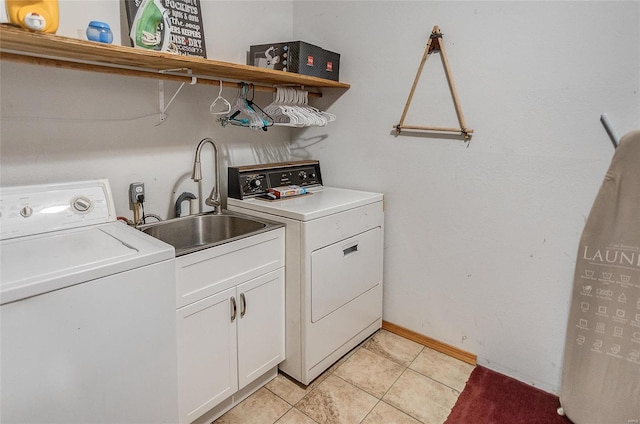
x: 260, y: 325
x: 207, y: 354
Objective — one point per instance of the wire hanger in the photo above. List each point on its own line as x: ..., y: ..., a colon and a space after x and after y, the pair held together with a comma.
x: 224, y: 101
x: 245, y: 113
x: 267, y: 120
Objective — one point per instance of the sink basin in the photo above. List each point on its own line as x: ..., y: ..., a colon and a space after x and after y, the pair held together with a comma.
x: 196, y: 232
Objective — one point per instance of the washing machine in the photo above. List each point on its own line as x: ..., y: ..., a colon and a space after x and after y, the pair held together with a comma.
x: 87, y: 311
x: 334, y: 256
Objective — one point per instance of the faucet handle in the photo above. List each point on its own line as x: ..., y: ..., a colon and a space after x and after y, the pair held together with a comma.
x: 212, y: 202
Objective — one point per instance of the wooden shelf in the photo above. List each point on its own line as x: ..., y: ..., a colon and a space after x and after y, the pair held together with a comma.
x: 52, y: 50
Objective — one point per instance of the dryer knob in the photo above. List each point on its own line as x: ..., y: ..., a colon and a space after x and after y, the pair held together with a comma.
x: 255, y: 183
x: 302, y: 175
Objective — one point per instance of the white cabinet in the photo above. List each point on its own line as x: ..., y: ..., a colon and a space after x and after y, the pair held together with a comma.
x: 260, y: 326
x: 207, y: 355
x: 234, y: 333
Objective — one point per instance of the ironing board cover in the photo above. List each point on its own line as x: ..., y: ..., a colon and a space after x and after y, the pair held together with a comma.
x: 601, y: 370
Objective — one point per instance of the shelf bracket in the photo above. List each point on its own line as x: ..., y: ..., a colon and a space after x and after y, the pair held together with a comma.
x: 161, y: 99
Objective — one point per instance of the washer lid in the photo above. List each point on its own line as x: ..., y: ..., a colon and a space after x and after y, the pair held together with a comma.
x: 319, y: 202
x: 42, y: 263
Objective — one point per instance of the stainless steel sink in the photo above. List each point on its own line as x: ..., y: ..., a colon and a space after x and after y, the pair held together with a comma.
x: 196, y: 232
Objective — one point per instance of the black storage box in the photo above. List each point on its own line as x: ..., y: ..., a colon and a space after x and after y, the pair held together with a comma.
x: 296, y: 56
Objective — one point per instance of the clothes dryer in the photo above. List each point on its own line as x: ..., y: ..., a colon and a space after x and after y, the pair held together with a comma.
x: 334, y: 260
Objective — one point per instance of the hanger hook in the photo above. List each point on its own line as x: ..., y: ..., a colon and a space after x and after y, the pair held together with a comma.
x: 252, y: 87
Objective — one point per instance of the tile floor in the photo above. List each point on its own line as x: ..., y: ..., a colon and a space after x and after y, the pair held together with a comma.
x: 386, y: 380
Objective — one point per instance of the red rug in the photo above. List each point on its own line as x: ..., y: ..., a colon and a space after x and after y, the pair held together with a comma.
x: 492, y: 398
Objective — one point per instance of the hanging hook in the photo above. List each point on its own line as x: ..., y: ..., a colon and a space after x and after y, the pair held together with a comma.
x: 252, y: 87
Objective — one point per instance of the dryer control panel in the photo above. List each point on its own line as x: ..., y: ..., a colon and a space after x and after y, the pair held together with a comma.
x: 256, y: 180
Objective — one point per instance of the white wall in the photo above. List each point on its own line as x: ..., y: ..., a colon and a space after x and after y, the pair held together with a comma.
x: 480, y: 239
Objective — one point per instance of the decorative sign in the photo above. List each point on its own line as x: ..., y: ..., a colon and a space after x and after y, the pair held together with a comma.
x: 173, y: 26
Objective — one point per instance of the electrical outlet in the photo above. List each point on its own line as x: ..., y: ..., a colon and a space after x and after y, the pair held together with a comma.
x: 136, y: 190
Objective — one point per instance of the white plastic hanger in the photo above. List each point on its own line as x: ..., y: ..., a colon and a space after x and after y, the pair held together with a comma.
x: 275, y: 110
x: 291, y: 108
x: 324, y: 117
x: 224, y: 102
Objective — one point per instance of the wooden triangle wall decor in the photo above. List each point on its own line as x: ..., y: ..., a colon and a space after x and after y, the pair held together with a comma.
x: 435, y: 44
